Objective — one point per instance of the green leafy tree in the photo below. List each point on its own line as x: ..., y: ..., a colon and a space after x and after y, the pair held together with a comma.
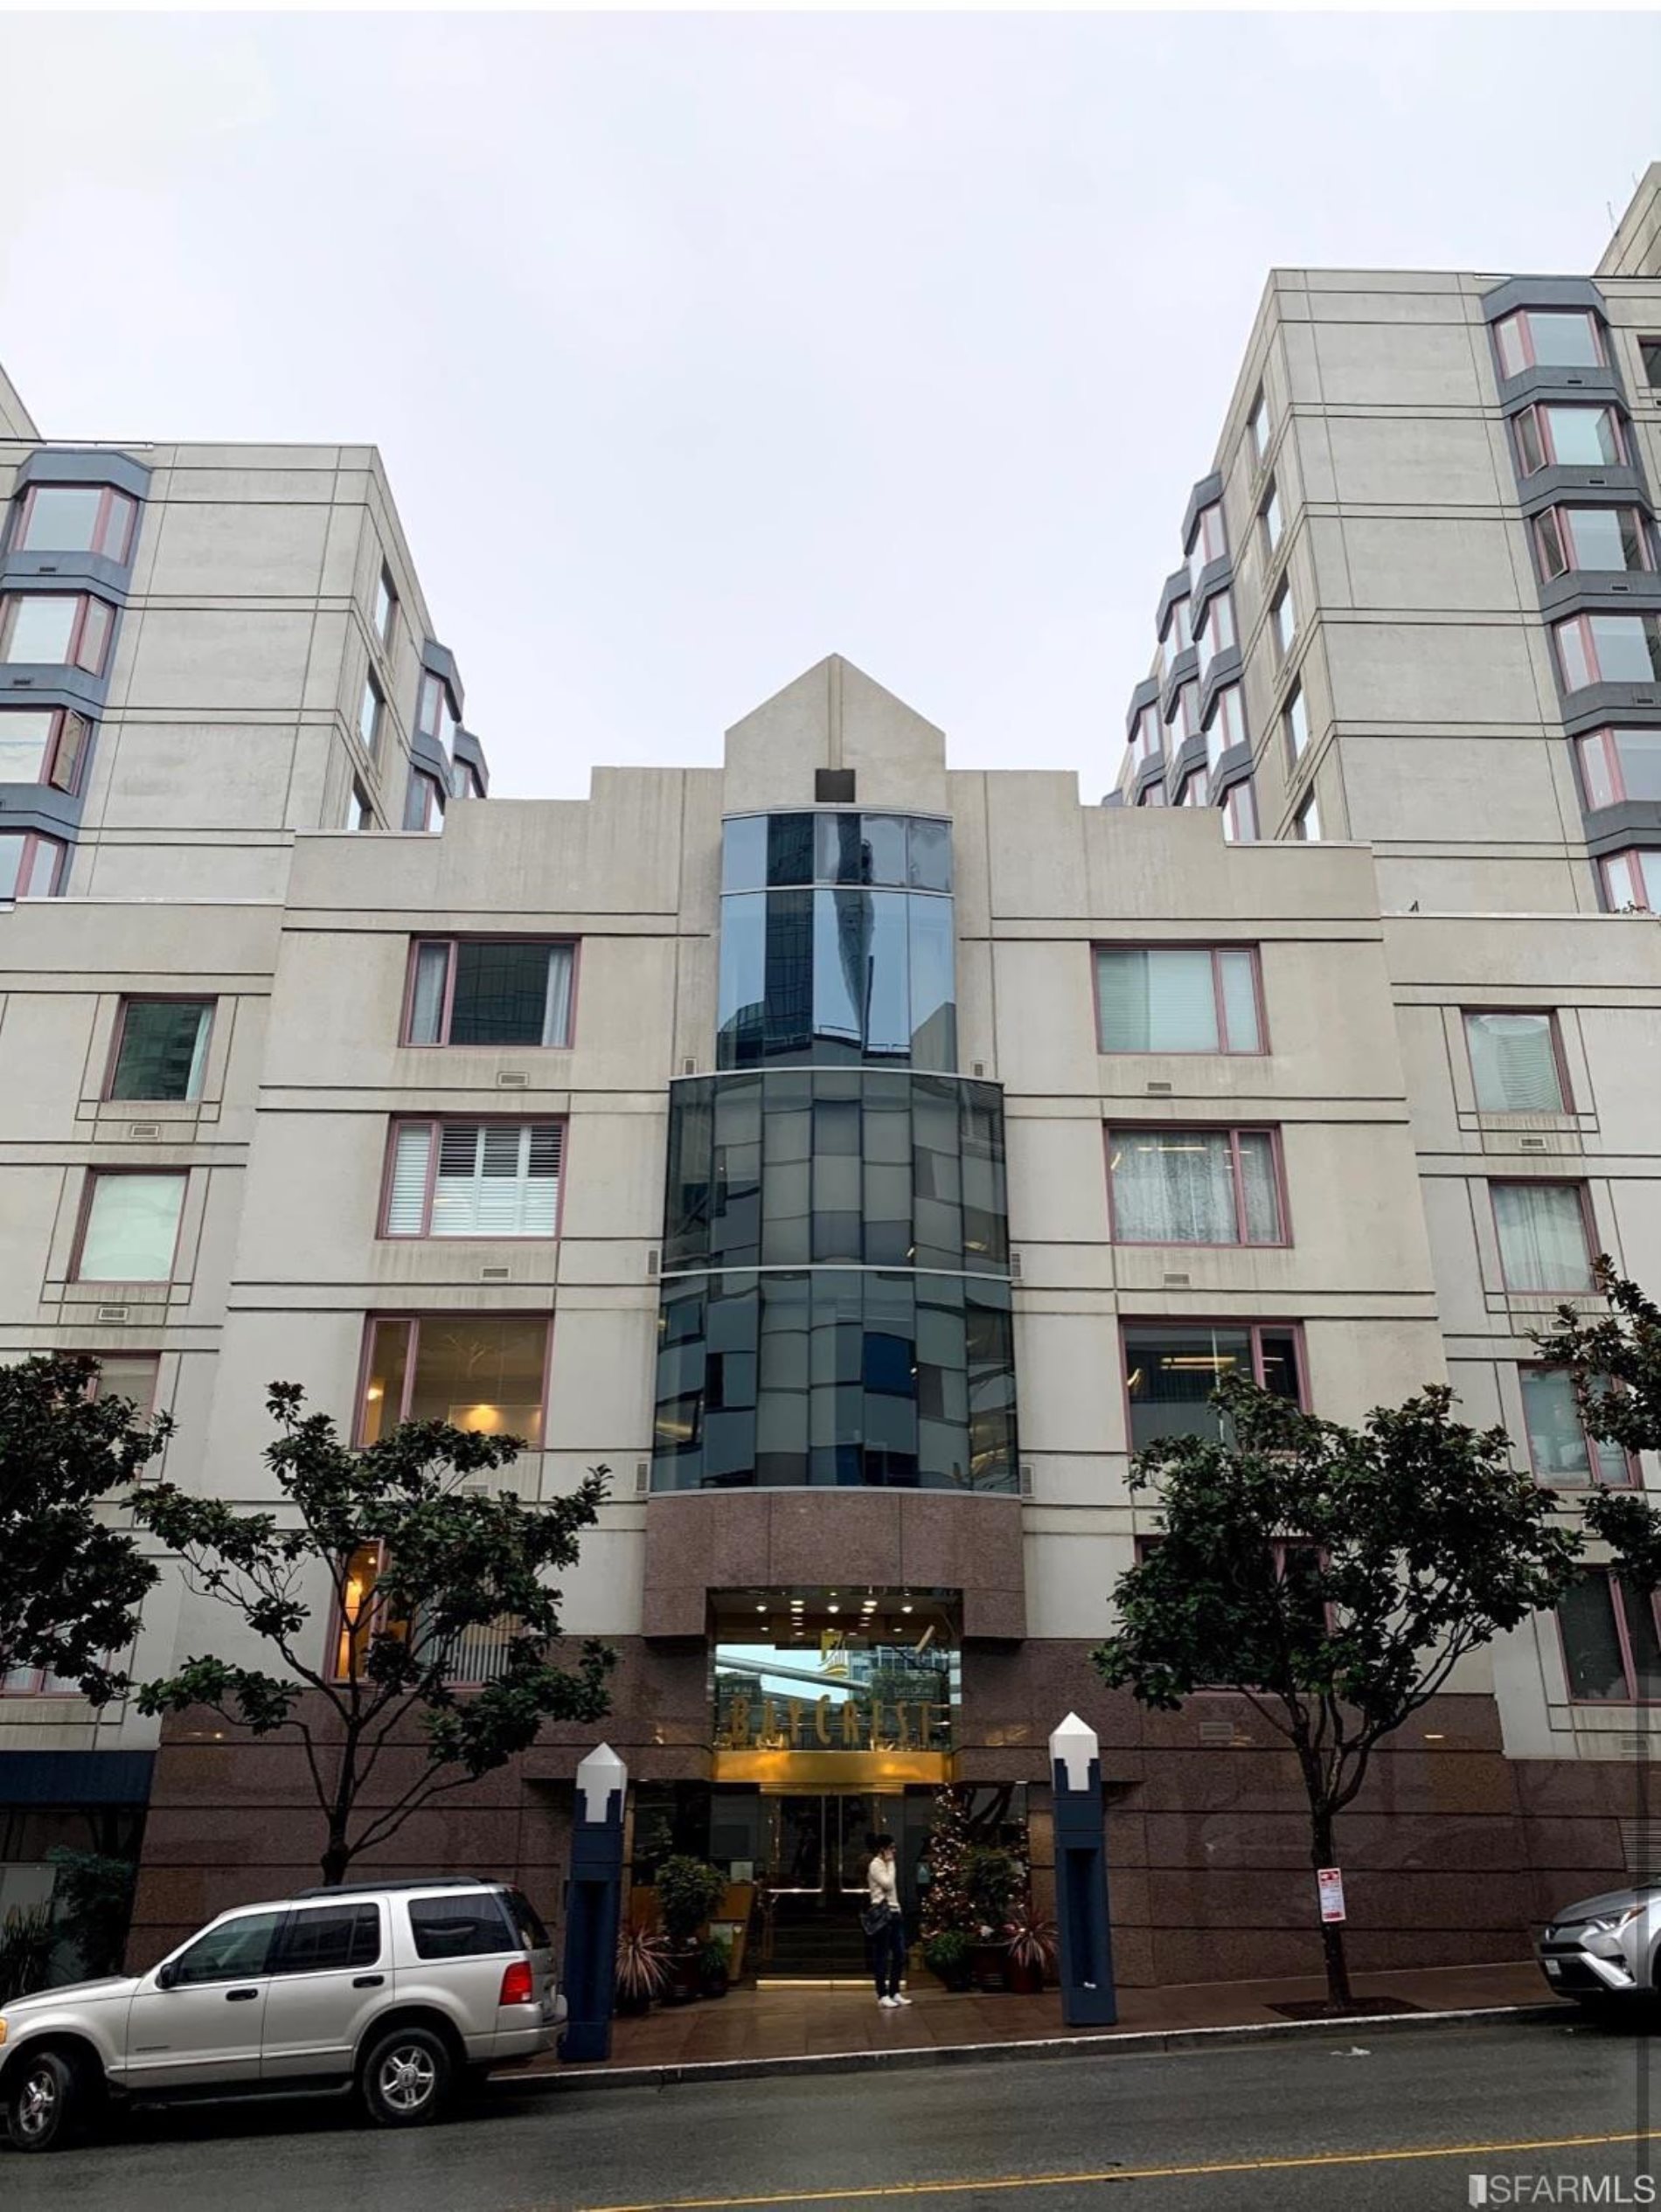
x: 1334, y: 1576
x: 70, y: 1586
x: 1614, y: 1360
x: 379, y: 1554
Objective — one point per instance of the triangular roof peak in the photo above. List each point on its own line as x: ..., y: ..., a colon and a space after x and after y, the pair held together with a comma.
x: 835, y: 717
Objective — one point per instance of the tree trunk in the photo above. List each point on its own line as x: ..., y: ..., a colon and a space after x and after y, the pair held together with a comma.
x: 335, y: 1860
x: 1322, y: 1854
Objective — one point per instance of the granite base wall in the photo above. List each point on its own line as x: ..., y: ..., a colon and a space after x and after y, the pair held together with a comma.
x: 1452, y: 1854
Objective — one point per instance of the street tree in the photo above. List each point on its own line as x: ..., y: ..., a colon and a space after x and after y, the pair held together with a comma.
x: 381, y: 1554
x: 1332, y: 1576
x: 71, y: 1584
x: 1614, y: 1360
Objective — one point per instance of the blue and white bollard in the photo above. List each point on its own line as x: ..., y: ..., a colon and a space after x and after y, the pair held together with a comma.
x: 1088, y: 1996
x: 593, y: 1900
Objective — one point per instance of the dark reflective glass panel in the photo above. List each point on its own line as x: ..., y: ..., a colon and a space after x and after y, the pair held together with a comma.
x: 836, y: 1378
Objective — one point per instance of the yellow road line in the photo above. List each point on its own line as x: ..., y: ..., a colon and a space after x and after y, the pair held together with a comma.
x: 971, y: 2187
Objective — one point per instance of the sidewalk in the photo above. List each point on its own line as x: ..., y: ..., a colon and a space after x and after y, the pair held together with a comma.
x: 755, y: 2030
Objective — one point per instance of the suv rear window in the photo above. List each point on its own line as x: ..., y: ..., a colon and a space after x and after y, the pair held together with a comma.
x: 533, y: 1934
x: 468, y: 1927
x: 325, y: 1941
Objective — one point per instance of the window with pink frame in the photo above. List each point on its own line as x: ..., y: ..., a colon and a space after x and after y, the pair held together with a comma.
x: 1172, y: 1369
x: 1545, y: 1237
x: 1239, y: 812
x: 1550, y: 436
x: 1548, y: 338
x: 490, y: 990
x: 76, y: 518
x: 1608, y: 648
x: 1603, y: 539
x: 57, y: 629
x: 1611, y: 1642
x: 1194, y: 1186
x: 1632, y: 879
x: 1619, y: 763
x: 1179, y: 998
x: 1147, y: 738
x: 1211, y: 541
x: 30, y: 866
x: 434, y: 717
x: 492, y: 1177
x: 1561, y: 1449
x: 43, y: 745
x: 484, y: 1372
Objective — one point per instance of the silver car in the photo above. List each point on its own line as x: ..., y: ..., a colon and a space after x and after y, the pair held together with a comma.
x: 395, y: 1990
x: 1604, y: 1947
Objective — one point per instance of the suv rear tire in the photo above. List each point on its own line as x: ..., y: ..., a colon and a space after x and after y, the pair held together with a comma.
x: 47, y: 2104
x: 406, y: 2077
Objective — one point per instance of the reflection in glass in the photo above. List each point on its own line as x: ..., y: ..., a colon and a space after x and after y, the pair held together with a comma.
x: 835, y: 1378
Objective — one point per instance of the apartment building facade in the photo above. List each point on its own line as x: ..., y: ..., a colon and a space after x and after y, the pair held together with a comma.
x: 862, y: 1158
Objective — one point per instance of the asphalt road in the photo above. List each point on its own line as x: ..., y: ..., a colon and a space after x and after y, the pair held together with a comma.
x: 1328, y: 2121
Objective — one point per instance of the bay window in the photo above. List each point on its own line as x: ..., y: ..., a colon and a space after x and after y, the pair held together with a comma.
x: 1175, y: 637
x: 490, y: 990
x: 1147, y: 738
x: 494, y: 1178
x: 1177, y: 998
x: 1650, y: 358
x: 1619, y: 763
x: 1544, y: 1244
x: 485, y: 1372
x: 1595, y: 538
x: 43, y: 745
x: 424, y: 802
x: 130, y: 1231
x: 1548, y: 338
x: 371, y: 708
x: 1569, y: 437
x: 1632, y: 879
x: 434, y: 716
x: 1283, y: 615
x: 1306, y: 823
x: 1216, y: 631
x: 1227, y: 726
x: 1194, y: 1186
x: 1298, y: 722
x: 1516, y: 1064
x: 76, y: 518
x: 59, y: 629
x: 1269, y: 515
x: 1609, y: 648
x: 1561, y: 1449
x: 1611, y: 1647
x: 1239, y: 814
x: 1211, y: 542
x: 1153, y: 794
x: 30, y: 866
x: 385, y: 607
x: 1173, y: 1368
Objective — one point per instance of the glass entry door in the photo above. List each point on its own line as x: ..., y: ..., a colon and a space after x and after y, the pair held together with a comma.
x: 798, y: 1853
x: 859, y: 1817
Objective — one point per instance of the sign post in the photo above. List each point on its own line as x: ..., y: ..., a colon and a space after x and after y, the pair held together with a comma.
x: 1088, y: 1996
x: 592, y: 1900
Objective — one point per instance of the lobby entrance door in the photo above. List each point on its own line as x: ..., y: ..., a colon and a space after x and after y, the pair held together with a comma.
x: 816, y: 1848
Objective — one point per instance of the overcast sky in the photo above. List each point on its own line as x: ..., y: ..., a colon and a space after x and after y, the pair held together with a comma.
x: 699, y: 347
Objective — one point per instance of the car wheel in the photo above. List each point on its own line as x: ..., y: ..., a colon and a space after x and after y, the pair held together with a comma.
x: 44, y: 2107
x: 406, y: 2077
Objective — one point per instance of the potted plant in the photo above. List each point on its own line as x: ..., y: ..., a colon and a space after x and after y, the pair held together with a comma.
x: 688, y: 1891
x: 948, y: 1954
x: 991, y: 1878
x: 643, y: 1968
x: 1031, y: 1951
x: 714, y: 1968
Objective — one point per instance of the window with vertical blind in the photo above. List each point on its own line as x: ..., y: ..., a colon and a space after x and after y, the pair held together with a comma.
x: 1514, y: 1062
x: 1177, y: 998
x: 474, y: 1179
x: 490, y: 990
x: 1543, y: 1240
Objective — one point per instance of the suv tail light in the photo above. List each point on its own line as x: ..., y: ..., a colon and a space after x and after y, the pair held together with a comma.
x: 518, y: 1984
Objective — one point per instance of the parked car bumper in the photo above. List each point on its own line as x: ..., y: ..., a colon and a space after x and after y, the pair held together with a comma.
x: 1575, y: 1969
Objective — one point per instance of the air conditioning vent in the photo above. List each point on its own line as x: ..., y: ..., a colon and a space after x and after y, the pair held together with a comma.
x: 512, y: 1079
x: 145, y: 1131
x: 1175, y: 1282
x: 112, y: 1313
x: 642, y: 1477
x: 1531, y: 1144
x: 651, y: 1264
x: 689, y: 1067
x: 1026, y: 1478
x: 1015, y: 1267
x: 978, y: 1067
x: 1221, y: 1734
x: 476, y: 1489
x: 495, y: 1275
x: 1160, y: 1089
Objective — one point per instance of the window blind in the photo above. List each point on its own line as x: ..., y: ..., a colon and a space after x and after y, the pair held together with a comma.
x: 490, y: 1179
x: 1512, y: 1063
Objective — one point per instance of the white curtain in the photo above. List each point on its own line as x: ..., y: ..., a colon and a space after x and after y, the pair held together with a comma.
x: 1177, y: 1187
x: 556, y: 1018
x: 1542, y: 1236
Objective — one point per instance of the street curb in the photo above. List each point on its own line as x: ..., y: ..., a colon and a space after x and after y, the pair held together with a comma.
x: 1133, y: 2043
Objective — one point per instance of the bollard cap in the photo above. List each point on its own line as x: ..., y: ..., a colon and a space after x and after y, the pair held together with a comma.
x: 1071, y: 1748
x: 601, y: 1773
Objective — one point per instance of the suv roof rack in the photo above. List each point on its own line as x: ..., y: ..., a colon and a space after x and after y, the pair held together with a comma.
x: 430, y: 1882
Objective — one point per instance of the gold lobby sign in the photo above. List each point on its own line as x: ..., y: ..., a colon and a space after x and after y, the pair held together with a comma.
x: 769, y: 1723
x: 811, y: 1771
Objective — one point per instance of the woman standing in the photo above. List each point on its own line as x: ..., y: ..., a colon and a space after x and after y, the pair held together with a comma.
x: 882, y: 1924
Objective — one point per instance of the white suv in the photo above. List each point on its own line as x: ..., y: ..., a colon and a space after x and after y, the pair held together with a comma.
x: 396, y: 1989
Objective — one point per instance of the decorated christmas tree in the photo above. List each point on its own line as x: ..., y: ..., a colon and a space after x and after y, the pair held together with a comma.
x: 945, y: 1901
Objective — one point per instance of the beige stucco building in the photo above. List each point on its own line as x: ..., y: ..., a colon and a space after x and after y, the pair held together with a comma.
x: 861, y: 1156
